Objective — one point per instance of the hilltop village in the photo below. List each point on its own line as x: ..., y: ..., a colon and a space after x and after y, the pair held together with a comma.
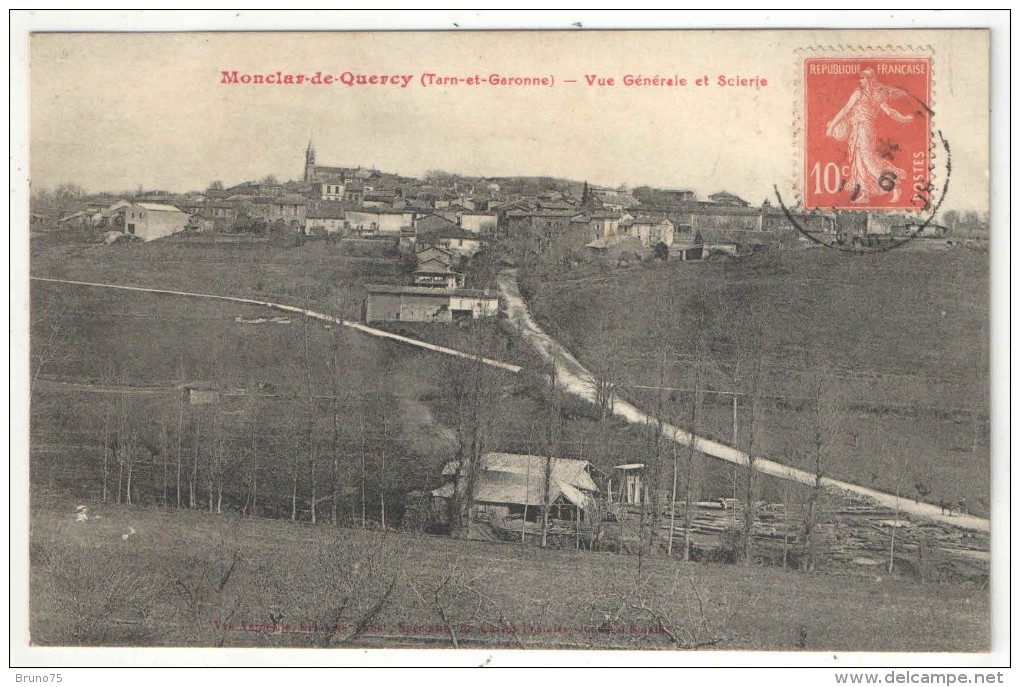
x: 515, y: 360
x: 445, y: 221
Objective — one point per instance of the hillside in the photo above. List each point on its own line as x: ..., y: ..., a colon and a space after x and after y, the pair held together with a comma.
x: 144, y: 577
x: 900, y: 338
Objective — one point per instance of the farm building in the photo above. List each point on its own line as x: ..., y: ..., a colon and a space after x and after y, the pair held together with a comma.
x: 687, y: 252
x: 513, y: 484
x: 150, y: 221
x: 427, y: 304
x: 200, y: 393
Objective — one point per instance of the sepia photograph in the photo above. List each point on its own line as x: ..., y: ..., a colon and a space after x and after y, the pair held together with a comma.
x: 569, y: 340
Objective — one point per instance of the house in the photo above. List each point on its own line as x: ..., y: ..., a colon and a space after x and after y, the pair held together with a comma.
x: 700, y: 215
x: 776, y: 219
x: 378, y: 221
x: 434, y: 253
x: 682, y: 195
x: 617, y: 200
x: 98, y: 205
x: 433, y: 223
x: 331, y: 189
x: 328, y: 218
x: 515, y: 221
x: 190, y: 205
x: 452, y: 212
x: 221, y: 213
x: 619, y: 249
x: 735, y: 241
x: 649, y: 230
x: 113, y: 216
x: 724, y: 198
x: 378, y: 199
x: 438, y: 231
x: 427, y: 304
x: 483, y: 223
x: 354, y: 192
x: 150, y: 221
x: 292, y: 209
x: 512, y: 484
x: 436, y: 274
x: 604, y: 223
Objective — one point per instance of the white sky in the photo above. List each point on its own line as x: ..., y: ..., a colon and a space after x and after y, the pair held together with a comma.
x: 115, y: 111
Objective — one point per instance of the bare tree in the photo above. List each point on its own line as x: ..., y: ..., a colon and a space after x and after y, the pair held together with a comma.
x: 252, y: 498
x: 691, y: 454
x: 49, y: 339
x: 193, y: 475
x: 604, y: 375
x: 180, y: 440
x: 358, y: 583
x: 163, y: 456
x: 125, y: 450
x: 106, y: 455
x: 363, y: 429
x: 335, y: 408
x: 750, y: 370
x: 896, y: 464
x: 309, y: 433
x: 552, y: 436
x: 475, y: 391
x: 827, y: 414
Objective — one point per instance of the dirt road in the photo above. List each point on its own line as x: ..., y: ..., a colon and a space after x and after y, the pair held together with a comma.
x: 364, y: 329
x: 575, y: 379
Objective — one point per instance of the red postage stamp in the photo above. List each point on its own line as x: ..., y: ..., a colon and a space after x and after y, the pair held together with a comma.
x: 867, y: 131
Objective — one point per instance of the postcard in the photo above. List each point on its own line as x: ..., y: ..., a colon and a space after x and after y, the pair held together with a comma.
x: 501, y: 341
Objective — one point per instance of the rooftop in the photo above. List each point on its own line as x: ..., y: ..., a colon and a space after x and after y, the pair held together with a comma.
x: 430, y: 291
x: 158, y: 207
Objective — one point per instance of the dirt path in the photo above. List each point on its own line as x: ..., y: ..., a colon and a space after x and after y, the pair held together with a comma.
x: 576, y: 379
x: 364, y: 329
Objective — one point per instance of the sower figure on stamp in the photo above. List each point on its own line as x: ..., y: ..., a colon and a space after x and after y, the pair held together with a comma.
x: 870, y: 172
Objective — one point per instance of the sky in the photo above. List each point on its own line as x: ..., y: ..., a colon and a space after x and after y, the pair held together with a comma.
x: 112, y: 112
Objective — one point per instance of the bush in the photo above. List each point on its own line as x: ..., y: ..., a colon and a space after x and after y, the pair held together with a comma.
x: 91, y: 598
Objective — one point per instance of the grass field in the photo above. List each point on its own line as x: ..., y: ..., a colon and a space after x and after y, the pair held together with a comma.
x: 111, y: 366
x: 320, y: 272
x: 905, y: 405
x: 194, y: 579
x: 904, y: 332
x: 395, y: 401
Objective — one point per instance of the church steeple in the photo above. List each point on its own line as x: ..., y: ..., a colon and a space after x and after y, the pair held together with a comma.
x: 310, y: 162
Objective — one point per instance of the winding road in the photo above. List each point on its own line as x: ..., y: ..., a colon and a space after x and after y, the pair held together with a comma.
x: 575, y: 379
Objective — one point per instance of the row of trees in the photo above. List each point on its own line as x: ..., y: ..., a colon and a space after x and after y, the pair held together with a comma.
x: 726, y: 359
x: 329, y: 453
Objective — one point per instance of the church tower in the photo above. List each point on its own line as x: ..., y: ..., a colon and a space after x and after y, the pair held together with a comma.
x: 310, y: 162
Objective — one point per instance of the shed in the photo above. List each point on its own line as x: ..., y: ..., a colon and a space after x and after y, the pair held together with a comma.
x: 629, y: 486
x: 200, y: 393
x: 509, y: 483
